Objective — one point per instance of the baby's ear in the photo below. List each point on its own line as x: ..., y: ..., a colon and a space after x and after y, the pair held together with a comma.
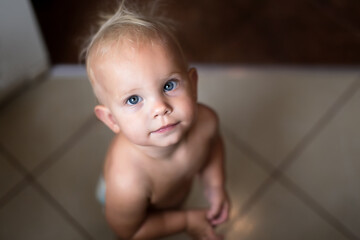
x: 193, y: 76
x: 104, y: 114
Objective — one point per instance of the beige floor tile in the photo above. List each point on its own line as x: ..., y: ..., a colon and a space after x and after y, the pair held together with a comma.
x: 280, y: 215
x: 44, y: 117
x: 9, y: 176
x: 243, y: 178
x: 28, y: 216
x: 329, y: 169
x: 243, y: 175
x: 72, y: 180
x: 271, y: 109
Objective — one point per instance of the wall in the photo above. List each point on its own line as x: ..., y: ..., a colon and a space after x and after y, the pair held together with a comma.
x: 296, y: 32
x: 22, y: 52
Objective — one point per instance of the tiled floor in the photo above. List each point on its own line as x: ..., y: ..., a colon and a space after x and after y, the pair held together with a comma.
x: 293, y: 150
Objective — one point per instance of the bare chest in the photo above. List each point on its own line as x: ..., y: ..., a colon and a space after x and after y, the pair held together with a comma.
x: 171, y: 180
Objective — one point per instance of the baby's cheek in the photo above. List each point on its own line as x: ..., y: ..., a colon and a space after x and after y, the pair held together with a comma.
x: 136, y: 134
x: 130, y: 125
x: 190, y: 109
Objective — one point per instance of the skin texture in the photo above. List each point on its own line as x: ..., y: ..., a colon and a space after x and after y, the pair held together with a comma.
x: 164, y: 138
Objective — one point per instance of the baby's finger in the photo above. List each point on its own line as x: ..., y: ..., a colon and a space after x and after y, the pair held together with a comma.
x: 214, y: 210
x: 223, y: 215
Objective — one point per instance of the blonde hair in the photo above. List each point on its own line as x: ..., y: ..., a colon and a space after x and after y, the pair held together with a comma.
x: 135, y: 23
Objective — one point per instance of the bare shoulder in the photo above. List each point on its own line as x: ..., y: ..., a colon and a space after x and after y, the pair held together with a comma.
x: 208, y: 120
x: 127, y: 191
x: 122, y: 170
x: 126, y: 188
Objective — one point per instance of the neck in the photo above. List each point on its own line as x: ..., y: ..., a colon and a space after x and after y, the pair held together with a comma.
x: 161, y: 153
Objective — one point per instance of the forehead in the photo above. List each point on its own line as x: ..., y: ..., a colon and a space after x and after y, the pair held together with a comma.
x: 131, y: 62
x: 136, y: 38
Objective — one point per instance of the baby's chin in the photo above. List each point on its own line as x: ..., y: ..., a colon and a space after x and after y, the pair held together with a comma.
x: 157, y: 141
x: 167, y: 141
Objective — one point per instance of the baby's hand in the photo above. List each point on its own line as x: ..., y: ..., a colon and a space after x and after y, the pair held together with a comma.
x: 219, y: 205
x: 198, y: 227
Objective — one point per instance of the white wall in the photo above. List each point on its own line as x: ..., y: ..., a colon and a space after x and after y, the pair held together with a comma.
x: 22, y: 52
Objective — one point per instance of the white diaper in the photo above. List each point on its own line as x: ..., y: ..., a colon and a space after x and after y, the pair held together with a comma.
x: 101, y: 190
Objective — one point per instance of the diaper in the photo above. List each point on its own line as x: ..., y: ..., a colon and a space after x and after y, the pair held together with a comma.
x: 101, y: 190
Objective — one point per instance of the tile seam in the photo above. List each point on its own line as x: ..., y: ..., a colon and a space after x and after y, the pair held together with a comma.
x: 278, y: 177
x: 264, y: 164
x: 29, y: 177
x: 320, y: 125
x: 22, y: 89
x: 315, y: 206
x: 276, y: 174
x: 302, y: 145
x: 61, y: 210
x: 249, y: 151
x: 19, y: 186
x: 14, y: 191
x: 53, y: 157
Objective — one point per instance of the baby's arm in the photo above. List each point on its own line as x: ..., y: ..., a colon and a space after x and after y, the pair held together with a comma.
x: 213, y: 177
x: 126, y: 212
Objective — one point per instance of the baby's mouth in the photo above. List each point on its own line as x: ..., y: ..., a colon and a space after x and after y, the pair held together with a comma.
x: 166, y: 128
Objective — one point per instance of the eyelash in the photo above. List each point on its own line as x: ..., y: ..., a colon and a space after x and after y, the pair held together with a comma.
x: 135, y: 99
x: 174, y: 82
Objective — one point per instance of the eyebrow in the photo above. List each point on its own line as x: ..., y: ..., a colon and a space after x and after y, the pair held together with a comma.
x: 128, y: 92
x: 172, y: 74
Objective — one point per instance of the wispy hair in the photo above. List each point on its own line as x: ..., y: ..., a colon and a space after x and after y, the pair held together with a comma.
x: 135, y: 21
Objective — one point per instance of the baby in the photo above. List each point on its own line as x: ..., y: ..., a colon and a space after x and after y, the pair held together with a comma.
x: 163, y: 138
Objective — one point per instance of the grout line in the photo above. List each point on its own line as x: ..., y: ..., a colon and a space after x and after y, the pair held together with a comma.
x: 320, y: 124
x: 21, y: 89
x: 315, y: 206
x: 253, y: 199
x: 263, y: 163
x: 329, y: 115
x: 60, y: 209
x: 30, y: 177
x: 249, y: 151
x: 276, y: 172
x: 301, y: 195
x: 257, y: 195
x: 60, y: 151
x: 13, y: 192
x: 13, y: 161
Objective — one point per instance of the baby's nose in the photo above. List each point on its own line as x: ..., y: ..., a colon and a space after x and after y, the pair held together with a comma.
x: 161, y: 108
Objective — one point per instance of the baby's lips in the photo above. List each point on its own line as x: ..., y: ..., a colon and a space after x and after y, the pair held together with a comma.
x: 165, y: 127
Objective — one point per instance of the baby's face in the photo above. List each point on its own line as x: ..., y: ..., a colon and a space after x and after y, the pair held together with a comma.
x: 152, y: 98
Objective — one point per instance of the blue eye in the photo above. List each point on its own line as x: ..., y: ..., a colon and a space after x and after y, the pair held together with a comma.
x: 170, y: 85
x: 133, y: 100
